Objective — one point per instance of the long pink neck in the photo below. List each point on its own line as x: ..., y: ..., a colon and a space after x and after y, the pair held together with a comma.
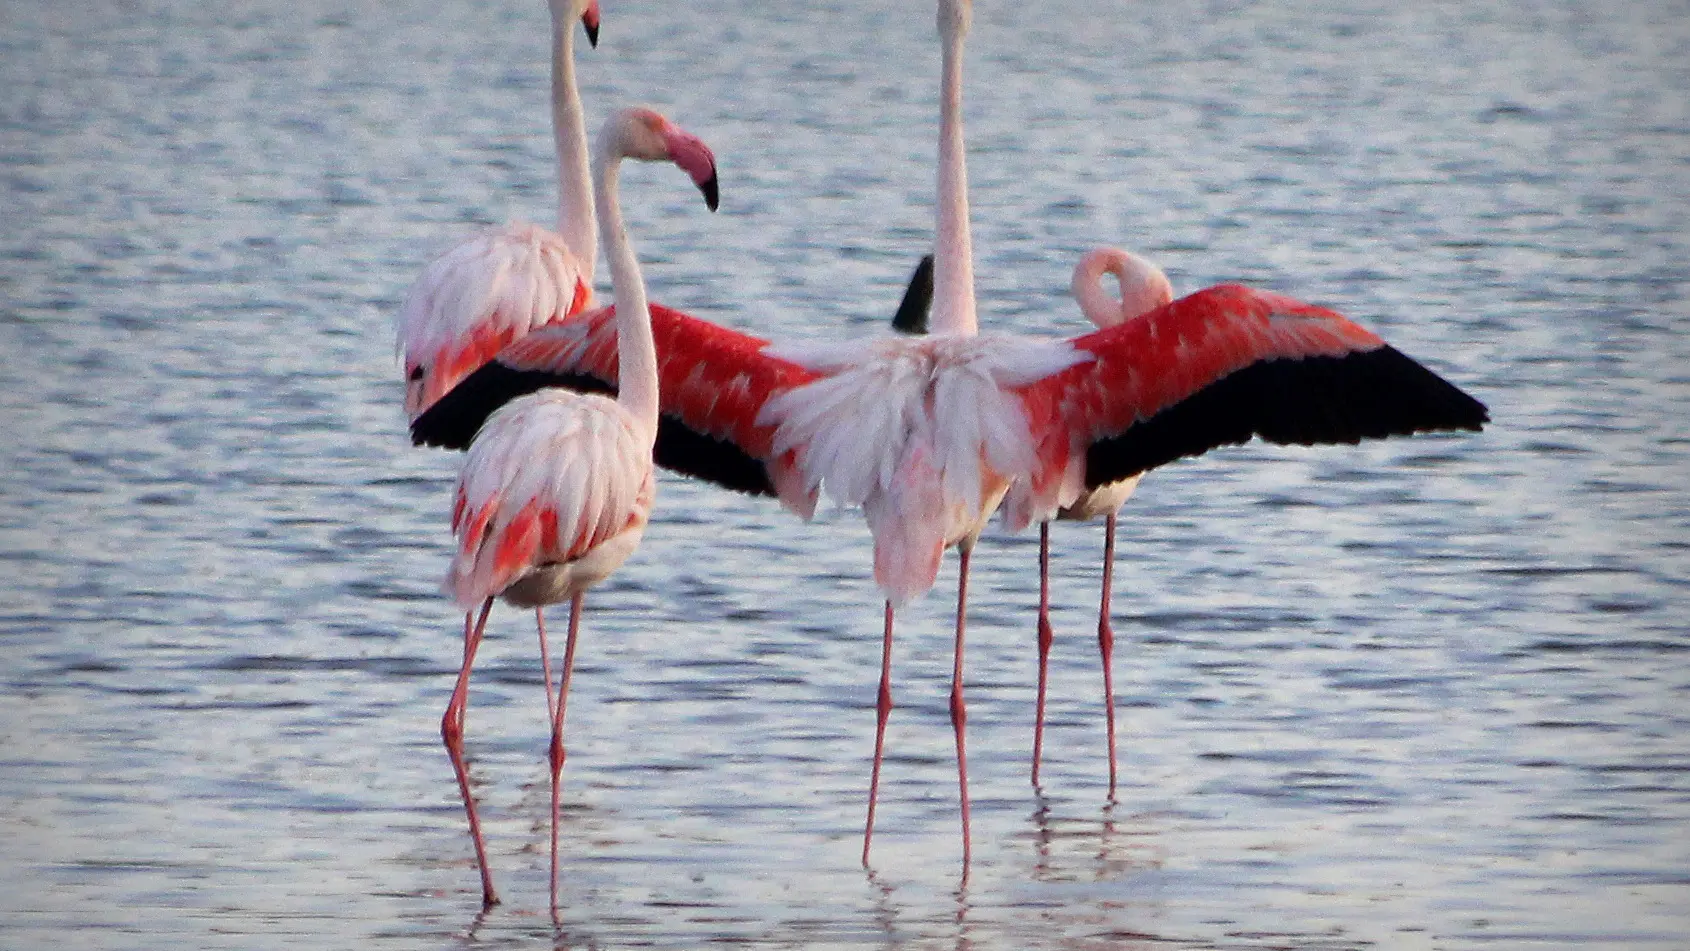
x: 636, y: 351
x: 953, y: 260
x: 575, y: 221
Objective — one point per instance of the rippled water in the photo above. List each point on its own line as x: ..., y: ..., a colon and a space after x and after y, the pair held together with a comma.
x: 1423, y: 694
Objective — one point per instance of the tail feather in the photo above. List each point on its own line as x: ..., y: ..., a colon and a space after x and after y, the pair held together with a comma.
x: 908, y: 524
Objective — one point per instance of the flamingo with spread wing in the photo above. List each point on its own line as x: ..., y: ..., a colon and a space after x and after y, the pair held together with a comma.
x: 1143, y: 288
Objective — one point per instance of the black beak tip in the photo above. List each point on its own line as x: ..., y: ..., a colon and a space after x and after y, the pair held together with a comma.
x: 592, y: 34
x: 709, y: 190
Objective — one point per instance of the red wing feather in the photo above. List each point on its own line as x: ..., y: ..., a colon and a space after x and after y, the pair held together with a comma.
x: 1221, y: 366
x: 712, y: 381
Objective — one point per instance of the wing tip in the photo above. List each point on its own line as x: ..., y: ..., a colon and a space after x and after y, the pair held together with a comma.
x: 1374, y: 394
x: 455, y: 418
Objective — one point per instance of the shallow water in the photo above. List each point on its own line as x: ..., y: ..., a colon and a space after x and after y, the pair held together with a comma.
x: 1429, y: 693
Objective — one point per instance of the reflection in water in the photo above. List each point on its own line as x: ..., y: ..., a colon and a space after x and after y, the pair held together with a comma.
x: 964, y: 933
x: 1118, y: 854
x: 1099, y: 852
x: 885, y: 913
x: 956, y: 932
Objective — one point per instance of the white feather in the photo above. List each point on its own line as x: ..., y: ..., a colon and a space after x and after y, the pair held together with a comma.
x: 504, y: 281
x: 920, y: 432
x: 578, y: 456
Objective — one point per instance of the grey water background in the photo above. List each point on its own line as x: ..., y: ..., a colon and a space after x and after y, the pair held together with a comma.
x: 1429, y: 693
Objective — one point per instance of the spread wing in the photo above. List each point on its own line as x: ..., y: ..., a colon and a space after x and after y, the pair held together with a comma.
x: 712, y: 382
x: 1220, y: 367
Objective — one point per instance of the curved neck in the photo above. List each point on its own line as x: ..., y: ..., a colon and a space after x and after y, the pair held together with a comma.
x: 575, y: 223
x: 1143, y: 286
x: 636, y: 353
x: 953, y: 263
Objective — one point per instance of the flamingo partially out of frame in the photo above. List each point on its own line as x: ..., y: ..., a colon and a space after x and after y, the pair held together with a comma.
x: 502, y: 282
x: 928, y: 435
x: 557, y: 487
x: 497, y: 285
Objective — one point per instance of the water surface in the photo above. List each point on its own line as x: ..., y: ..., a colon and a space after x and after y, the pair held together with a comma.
x: 1422, y: 694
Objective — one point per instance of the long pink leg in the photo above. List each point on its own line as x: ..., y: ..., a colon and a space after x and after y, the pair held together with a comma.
x: 1106, y: 644
x: 959, y: 713
x: 1046, y: 635
x: 557, y: 753
x: 452, y: 732
x: 545, y: 663
x: 883, y: 710
x: 469, y: 651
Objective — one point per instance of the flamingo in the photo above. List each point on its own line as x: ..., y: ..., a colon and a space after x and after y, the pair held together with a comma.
x: 497, y: 285
x: 929, y: 435
x: 557, y: 488
x: 501, y: 283
x: 1143, y: 288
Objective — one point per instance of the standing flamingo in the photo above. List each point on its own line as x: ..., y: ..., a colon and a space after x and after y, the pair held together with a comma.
x: 921, y: 433
x: 502, y: 282
x: 557, y: 487
x: 1143, y: 288
x: 499, y: 284
x: 929, y: 435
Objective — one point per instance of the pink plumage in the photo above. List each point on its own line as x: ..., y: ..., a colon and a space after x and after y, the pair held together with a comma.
x: 1149, y: 364
x: 557, y: 487
x: 929, y: 436
x: 713, y: 380
x: 494, y: 287
x: 489, y: 290
x: 480, y: 296
x: 553, y: 476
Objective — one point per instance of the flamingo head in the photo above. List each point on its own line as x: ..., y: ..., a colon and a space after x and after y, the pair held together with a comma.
x: 645, y: 134
x: 564, y: 12
x: 1143, y: 286
x: 590, y: 22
